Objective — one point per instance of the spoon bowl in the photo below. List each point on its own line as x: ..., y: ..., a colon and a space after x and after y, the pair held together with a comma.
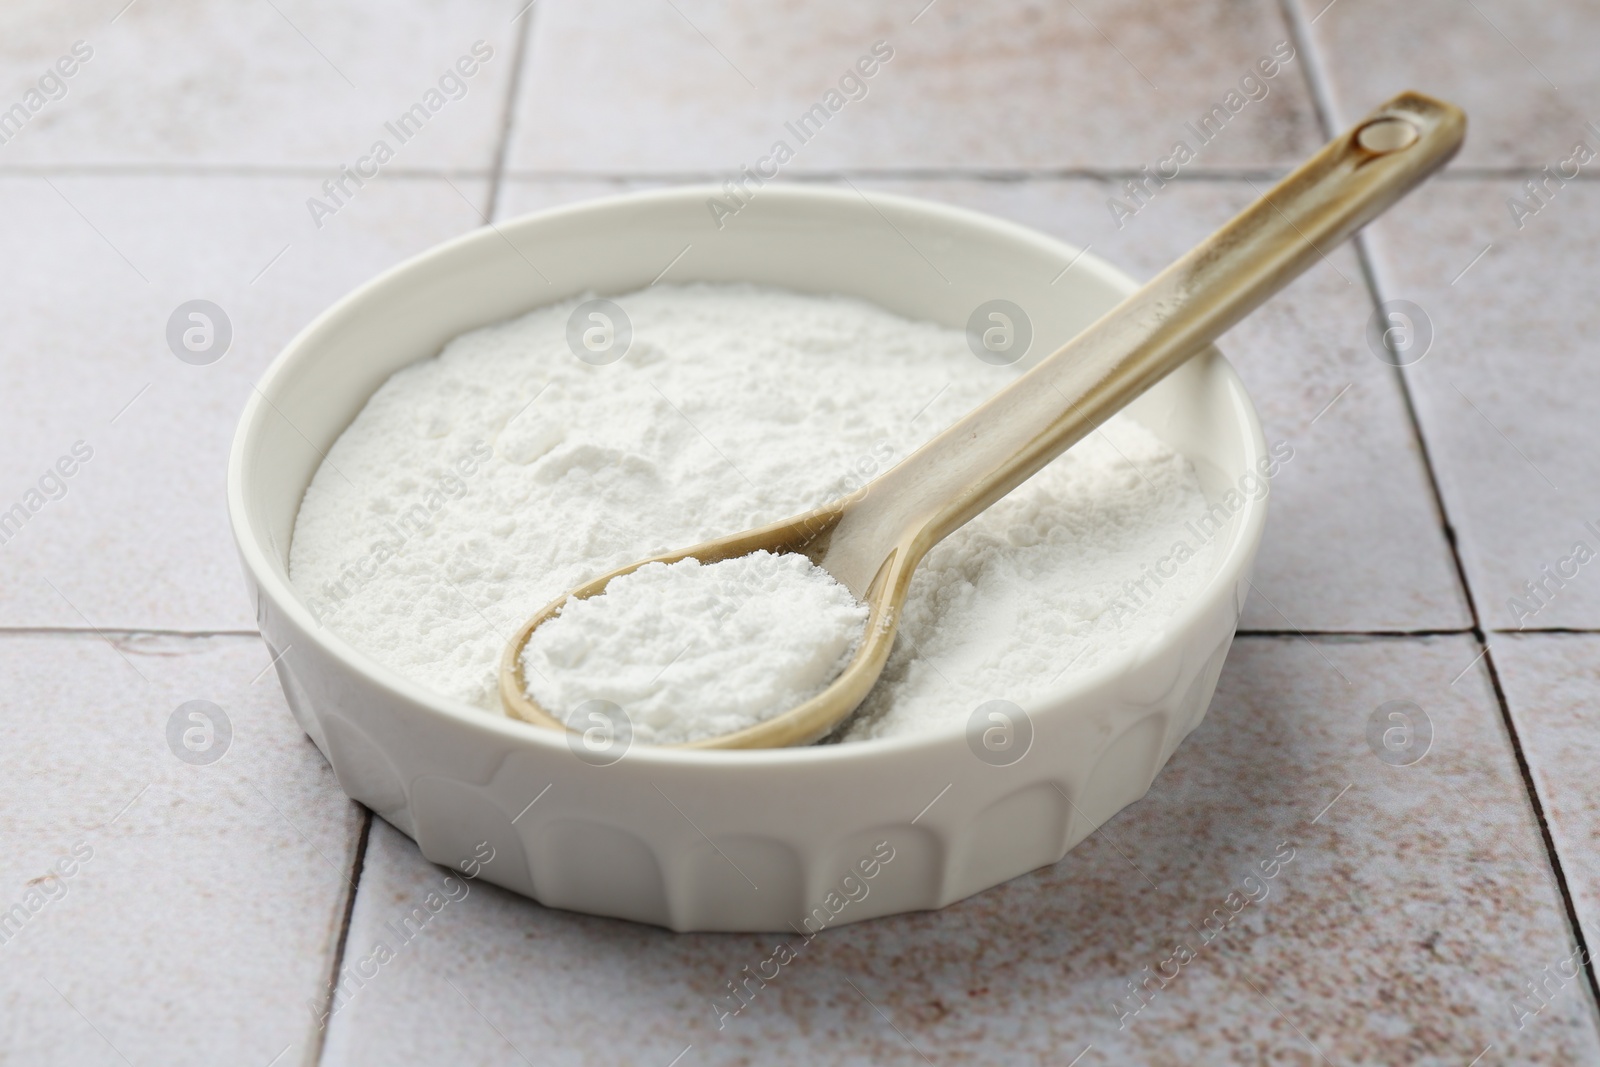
x: 806, y: 534
x: 873, y: 540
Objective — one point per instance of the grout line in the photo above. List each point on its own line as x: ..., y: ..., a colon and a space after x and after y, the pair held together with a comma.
x: 1313, y: 71
x: 1483, y: 172
x: 357, y: 865
x: 1322, y: 98
x: 508, y: 114
x: 221, y: 170
x: 1371, y: 274
x: 113, y: 631
x: 126, y: 632
x: 1190, y: 175
x: 1562, y: 886
x: 1389, y: 634
x: 1265, y: 172
x: 1375, y: 291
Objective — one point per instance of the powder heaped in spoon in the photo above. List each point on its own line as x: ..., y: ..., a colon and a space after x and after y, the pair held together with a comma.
x: 691, y: 650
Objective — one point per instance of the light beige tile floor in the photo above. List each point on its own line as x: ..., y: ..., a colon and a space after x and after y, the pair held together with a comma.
x: 286, y: 83
x: 1422, y: 899
x: 1398, y: 932
x: 140, y: 538
x: 1552, y: 683
x: 1524, y: 71
x: 202, y: 902
x: 709, y: 87
x: 1506, y: 396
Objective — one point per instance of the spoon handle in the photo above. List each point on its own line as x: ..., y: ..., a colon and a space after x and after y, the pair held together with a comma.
x: 1000, y: 444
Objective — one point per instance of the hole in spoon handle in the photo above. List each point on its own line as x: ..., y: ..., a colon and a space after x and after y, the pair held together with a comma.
x: 1388, y: 134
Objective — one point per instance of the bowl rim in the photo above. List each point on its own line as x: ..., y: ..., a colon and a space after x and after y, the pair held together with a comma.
x: 260, y: 568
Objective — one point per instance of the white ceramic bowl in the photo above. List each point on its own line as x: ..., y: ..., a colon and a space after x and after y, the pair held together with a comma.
x: 730, y: 840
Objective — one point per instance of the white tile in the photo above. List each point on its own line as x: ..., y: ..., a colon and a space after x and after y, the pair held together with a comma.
x: 209, y: 898
x: 615, y: 87
x: 1399, y: 931
x: 1552, y: 684
x: 140, y: 538
x: 1507, y: 394
x: 1523, y: 70
x: 289, y: 82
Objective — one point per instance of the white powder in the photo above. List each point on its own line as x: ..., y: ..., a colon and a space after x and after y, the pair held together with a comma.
x: 691, y: 650
x: 476, y: 487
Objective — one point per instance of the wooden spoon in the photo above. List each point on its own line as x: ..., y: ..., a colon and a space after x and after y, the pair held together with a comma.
x: 872, y: 540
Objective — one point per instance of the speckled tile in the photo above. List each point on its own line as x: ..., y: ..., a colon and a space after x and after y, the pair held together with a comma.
x: 1419, y: 903
x: 137, y: 537
x: 1354, y: 540
x: 702, y: 86
x: 288, y: 82
x: 1523, y: 70
x: 1552, y: 684
x: 174, y: 912
x: 1405, y: 907
x: 1506, y: 394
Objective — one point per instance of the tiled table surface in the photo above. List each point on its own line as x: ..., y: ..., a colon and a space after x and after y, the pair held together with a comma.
x: 207, y: 905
